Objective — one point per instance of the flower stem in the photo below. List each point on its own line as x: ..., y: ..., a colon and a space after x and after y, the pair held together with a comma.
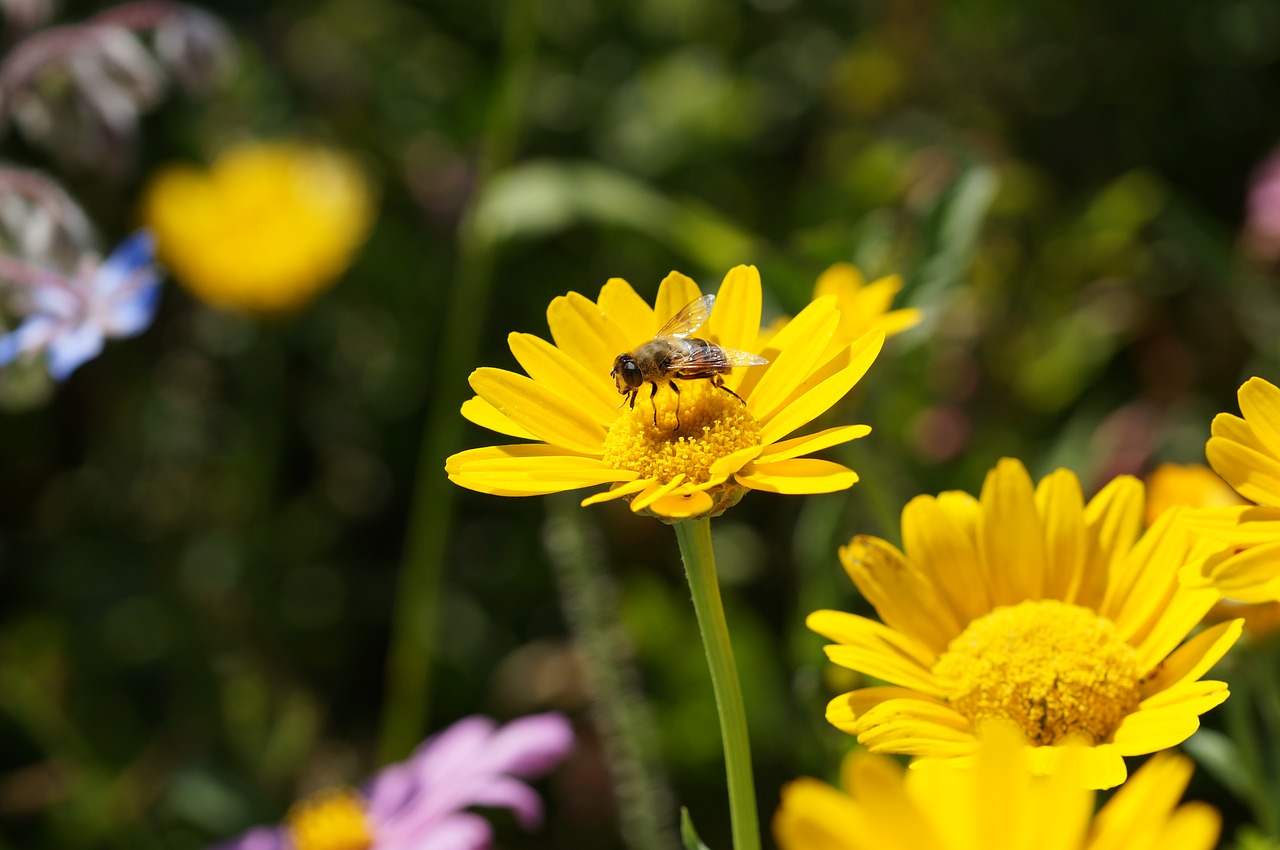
x: 700, y: 566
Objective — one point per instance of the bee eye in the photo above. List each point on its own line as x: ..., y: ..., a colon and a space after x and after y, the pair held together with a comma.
x: 631, y: 374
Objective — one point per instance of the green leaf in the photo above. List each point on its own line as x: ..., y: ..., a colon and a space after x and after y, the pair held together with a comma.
x: 1220, y: 758
x: 537, y: 198
x: 688, y: 835
x: 952, y: 236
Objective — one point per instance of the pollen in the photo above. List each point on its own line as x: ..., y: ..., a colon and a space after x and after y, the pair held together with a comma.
x: 330, y: 820
x: 1057, y: 670
x: 695, y: 428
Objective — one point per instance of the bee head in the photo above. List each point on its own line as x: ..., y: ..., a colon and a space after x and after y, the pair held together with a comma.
x: 626, y: 373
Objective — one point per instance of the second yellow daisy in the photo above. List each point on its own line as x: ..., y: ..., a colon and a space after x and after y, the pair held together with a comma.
x: 1029, y: 606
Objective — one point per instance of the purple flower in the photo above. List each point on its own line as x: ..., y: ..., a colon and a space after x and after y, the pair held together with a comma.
x: 419, y: 804
x: 70, y: 318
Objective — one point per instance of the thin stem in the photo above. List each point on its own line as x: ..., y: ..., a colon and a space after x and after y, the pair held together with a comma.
x: 700, y: 567
x: 416, y: 615
x: 589, y: 597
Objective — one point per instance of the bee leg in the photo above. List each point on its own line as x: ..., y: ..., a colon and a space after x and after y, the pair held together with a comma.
x: 718, y: 382
x: 632, y: 396
x: 653, y: 393
x: 676, y: 389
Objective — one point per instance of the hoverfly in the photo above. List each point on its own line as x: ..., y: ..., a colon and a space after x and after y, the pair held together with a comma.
x: 672, y: 354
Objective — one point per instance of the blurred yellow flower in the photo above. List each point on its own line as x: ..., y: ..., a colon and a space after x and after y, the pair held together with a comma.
x: 1032, y: 607
x: 1193, y: 485
x: 1197, y: 486
x: 268, y: 226
x: 863, y: 306
x: 1245, y: 452
x: 682, y: 454
x: 998, y: 805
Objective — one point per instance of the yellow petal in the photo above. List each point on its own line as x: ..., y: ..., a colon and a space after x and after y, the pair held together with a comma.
x: 873, y: 649
x: 1202, y: 694
x: 842, y: 280
x: 1100, y: 767
x: 1142, y: 585
x: 541, y: 411
x: 1112, y: 522
x: 814, y: 816
x: 905, y: 598
x: 1061, y: 507
x: 655, y: 492
x: 1260, y: 405
x: 1144, y: 801
x: 555, y: 369
x: 797, y: 446
x: 732, y: 462
x: 816, y: 400
x: 1011, y: 539
x: 897, y: 321
x: 892, y: 816
x: 854, y: 630
x: 674, y: 294
x: 1185, y: 608
x: 901, y: 726
x: 485, y: 415
x: 582, y: 332
x: 797, y: 476
x: 1245, y: 525
x: 618, y: 491
x: 1254, y: 475
x: 533, y: 474
x: 844, y: 710
x: 1233, y: 428
x: 936, y: 542
x: 682, y: 503
x: 798, y: 347
x: 518, y: 450
x: 1194, y: 658
x: 735, y: 319
x: 1249, y: 575
x: 620, y: 304
x: 1149, y: 730
x: 1194, y: 826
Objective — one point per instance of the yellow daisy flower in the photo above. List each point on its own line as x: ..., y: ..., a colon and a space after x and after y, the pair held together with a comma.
x: 265, y: 229
x: 1245, y: 452
x: 677, y: 455
x: 1030, y: 606
x: 999, y: 805
x: 863, y: 306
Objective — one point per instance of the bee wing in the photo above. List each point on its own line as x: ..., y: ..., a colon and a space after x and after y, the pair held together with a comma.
x: 689, y: 319
x: 714, y: 355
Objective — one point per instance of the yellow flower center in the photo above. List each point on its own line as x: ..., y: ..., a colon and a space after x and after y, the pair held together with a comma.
x: 1057, y: 670
x: 694, y: 429
x: 330, y: 820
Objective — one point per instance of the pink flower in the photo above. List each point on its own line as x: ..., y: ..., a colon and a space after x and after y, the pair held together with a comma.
x: 419, y: 804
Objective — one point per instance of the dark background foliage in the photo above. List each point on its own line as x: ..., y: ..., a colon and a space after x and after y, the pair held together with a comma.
x: 200, y: 532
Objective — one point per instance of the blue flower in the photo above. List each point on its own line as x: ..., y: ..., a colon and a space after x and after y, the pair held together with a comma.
x: 70, y: 318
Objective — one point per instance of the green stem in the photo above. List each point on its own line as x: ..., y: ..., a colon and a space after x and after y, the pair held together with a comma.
x: 415, y: 619
x: 700, y: 566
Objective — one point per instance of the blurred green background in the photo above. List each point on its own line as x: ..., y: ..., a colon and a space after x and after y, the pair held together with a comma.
x: 201, y: 531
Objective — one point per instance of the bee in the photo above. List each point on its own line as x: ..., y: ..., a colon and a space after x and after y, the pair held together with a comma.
x: 673, y: 354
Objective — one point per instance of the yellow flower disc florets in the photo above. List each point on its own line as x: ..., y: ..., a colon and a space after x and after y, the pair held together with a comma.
x: 331, y: 820
x: 712, y: 423
x: 1057, y: 670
